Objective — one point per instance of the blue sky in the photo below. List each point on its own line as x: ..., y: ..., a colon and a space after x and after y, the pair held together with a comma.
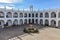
x: 37, y: 4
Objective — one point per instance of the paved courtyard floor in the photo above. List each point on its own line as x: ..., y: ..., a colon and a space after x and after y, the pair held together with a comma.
x: 16, y: 33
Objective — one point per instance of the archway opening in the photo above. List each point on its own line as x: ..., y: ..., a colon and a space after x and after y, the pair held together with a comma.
x: 58, y: 23
x: 9, y: 15
x: 1, y: 14
x: 25, y: 15
x: 21, y: 14
x: 25, y: 21
x: 46, y: 22
x: 41, y: 21
x: 46, y: 15
x: 15, y: 15
x: 53, y: 15
x: 21, y: 21
x: 59, y: 15
x: 53, y: 23
x: 15, y: 22
x: 32, y: 21
x: 9, y: 23
x: 29, y: 21
x: 36, y: 21
x: 2, y: 23
x: 41, y: 14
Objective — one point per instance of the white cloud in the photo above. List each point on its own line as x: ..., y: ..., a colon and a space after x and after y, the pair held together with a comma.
x: 7, y: 7
x: 11, y: 1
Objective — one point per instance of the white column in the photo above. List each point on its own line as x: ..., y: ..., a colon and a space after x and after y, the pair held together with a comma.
x: 49, y: 22
x: 57, y: 19
x: 18, y: 18
x: 23, y: 17
x: 5, y: 16
x: 38, y: 17
x: 49, y: 18
x: 43, y: 18
x: 34, y: 20
x: 38, y: 21
x: 56, y: 23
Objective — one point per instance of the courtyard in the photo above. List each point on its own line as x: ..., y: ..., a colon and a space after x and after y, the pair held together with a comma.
x: 16, y: 33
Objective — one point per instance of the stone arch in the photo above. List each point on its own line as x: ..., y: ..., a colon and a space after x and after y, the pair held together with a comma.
x: 21, y: 21
x: 46, y: 22
x: 53, y: 15
x: 1, y: 14
x: 41, y: 14
x: 15, y: 22
x: 25, y: 21
x: 59, y: 23
x: 41, y: 21
x: 25, y: 15
x: 21, y: 14
x: 15, y: 15
x: 53, y: 23
x: 9, y: 15
x: 46, y: 15
x: 9, y: 22
x: 59, y: 15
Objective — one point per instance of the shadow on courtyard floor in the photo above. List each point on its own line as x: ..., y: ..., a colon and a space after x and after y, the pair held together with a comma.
x: 11, y: 32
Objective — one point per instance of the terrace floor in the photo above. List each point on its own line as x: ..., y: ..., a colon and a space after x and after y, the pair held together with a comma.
x: 16, y: 33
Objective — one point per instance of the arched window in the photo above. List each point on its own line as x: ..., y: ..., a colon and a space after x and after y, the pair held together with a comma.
x: 21, y: 14
x: 59, y: 14
x: 15, y: 15
x: 41, y: 14
x: 46, y: 15
x: 53, y: 15
x: 9, y: 15
x: 1, y: 14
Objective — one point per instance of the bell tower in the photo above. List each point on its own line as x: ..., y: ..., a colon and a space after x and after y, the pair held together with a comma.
x: 31, y: 8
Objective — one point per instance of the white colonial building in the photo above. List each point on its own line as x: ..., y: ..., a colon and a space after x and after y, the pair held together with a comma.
x: 50, y: 17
